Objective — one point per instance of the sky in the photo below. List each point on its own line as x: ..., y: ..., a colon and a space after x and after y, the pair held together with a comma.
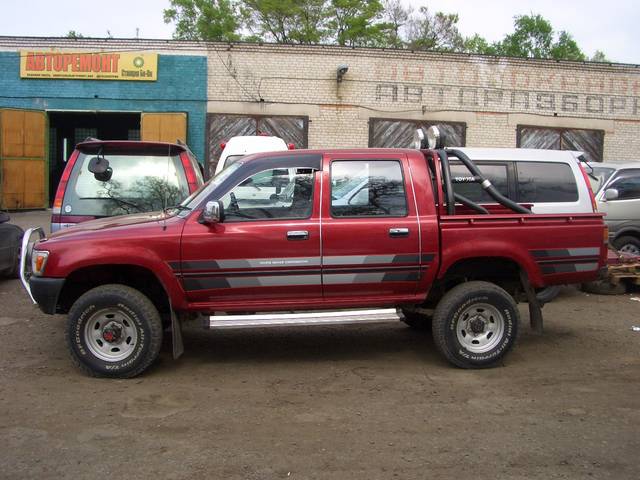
x: 610, y: 26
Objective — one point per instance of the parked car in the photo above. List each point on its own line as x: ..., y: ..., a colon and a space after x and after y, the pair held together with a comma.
x: 10, y: 240
x: 238, y: 147
x: 550, y: 181
x: 617, y: 191
x: 403, y: 254
x: 104, y: 178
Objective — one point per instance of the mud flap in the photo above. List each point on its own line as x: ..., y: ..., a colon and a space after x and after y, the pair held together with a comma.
x: 535, y: 310
x: 176, y: 334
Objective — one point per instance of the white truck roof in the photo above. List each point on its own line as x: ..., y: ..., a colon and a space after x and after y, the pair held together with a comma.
x: 520, y: 154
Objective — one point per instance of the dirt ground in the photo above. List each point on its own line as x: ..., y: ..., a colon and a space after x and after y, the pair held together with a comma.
x: 352, y: 402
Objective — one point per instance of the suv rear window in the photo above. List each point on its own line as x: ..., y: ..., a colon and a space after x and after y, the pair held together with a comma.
x: 496, y: 173
x: 139, y: 183
x: 541, y: 182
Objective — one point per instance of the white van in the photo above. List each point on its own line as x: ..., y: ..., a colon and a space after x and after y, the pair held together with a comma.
x: 238, y: 147
x: 550, y: 181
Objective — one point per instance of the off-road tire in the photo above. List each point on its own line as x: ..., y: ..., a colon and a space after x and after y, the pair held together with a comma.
x: 417, y: 321
x: 146, y: 321
x: 626, y: 241
x: 452, y: 308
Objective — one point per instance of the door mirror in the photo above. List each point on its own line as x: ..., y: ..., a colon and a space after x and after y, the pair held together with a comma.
x: 100, y: 168
x: 213, y: 213
x: 611, y: 194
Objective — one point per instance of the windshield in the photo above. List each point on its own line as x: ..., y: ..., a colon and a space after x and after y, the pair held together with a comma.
x: 139, y: 183
x: 193, y: 200
x: 601, y: 175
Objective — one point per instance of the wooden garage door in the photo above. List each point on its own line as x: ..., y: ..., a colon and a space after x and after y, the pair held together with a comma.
x: 22, y: 159
x: 164, y: 127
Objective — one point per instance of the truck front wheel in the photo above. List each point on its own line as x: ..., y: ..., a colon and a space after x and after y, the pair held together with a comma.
x: 114, y: 331
x: 475, y: 324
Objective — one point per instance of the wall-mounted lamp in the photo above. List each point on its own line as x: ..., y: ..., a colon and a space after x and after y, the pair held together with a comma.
x: 342, y: 70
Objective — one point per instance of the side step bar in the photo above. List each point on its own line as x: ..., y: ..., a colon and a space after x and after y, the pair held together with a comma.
x: 343, y: 317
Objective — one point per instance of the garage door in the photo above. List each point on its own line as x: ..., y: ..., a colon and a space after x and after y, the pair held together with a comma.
x: 221, y: 127
x: 390, y: 133
x: 22, y: 159
x: 164, y: 127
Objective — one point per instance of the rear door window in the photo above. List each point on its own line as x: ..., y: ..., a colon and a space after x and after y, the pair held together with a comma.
x: 139, y: 183
x: 541, y: 182
x: 367, y: 188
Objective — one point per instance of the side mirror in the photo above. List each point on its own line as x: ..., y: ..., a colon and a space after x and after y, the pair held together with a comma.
x: 213, y: 213
x: 611, y: 194
x: 100, y: 168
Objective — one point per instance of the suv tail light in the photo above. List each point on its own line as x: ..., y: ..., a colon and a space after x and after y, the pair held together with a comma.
x: 594, y: 204
x: 56, y: 211
x: 189, y: 173
x: 291, y: 146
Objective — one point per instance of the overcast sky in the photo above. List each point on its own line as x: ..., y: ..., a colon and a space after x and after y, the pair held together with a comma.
x: 610, y: 26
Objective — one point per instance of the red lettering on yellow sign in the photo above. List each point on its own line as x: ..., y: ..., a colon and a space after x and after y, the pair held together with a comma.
x: 74, y: 62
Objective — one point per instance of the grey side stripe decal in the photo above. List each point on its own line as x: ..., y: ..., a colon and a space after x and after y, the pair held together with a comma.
x: 206, y: 283
x: 568, y: 267
x: 336, y: 260
x: 566, y: 252
x: 370, y: 259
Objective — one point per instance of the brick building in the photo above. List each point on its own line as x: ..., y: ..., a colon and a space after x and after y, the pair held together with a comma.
x: 294, y: 91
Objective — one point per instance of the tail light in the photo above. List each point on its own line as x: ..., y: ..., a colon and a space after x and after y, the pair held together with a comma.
x: 56, y: 211
x: 291, y: 146
x: 189, y: 173
x: 222, y: 145
x: 594, y: 204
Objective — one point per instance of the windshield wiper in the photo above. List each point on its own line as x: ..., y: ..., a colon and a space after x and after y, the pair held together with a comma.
x: 117, y: 200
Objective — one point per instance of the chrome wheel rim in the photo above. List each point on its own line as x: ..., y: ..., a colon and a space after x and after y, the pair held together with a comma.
x: 110, y: 334
x: 630, y: 248
x: 480, y: 328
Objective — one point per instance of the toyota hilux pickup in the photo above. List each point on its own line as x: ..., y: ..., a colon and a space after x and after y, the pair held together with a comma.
x: 405, y: 246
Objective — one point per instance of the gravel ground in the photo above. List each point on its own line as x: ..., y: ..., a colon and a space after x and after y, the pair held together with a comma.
x: 356, y: 402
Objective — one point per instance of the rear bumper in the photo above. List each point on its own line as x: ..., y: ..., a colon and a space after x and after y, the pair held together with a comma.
x: 45, y: 292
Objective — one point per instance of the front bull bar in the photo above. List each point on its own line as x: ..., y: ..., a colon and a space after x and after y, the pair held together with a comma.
x: 25, y: 257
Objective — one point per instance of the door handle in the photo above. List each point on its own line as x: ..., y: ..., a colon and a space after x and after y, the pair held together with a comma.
x: 298, y: 235
x: 398, y: 232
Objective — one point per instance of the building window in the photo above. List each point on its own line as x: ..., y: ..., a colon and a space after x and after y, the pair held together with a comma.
x: 389, y: 133
x: 591, y: 142
x: 221, y: 127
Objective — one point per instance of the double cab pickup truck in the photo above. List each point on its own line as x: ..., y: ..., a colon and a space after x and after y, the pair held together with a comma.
x: 402, y: 246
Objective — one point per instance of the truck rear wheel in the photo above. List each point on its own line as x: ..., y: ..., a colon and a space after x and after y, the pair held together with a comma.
x: 475, y: 324
x: 114, y: 331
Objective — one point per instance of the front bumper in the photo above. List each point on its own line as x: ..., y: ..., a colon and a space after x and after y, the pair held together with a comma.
x: 45, y: 292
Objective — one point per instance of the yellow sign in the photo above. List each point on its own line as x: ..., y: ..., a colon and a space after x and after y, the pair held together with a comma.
x: 89, y: 66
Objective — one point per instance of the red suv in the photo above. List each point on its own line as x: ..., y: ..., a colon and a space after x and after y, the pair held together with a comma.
x: 107, y: 178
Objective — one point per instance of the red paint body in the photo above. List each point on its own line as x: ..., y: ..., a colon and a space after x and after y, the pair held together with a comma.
x: 166, y: 244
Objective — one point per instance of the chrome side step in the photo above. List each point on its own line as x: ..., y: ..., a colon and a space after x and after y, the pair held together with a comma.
x: 341, y: 317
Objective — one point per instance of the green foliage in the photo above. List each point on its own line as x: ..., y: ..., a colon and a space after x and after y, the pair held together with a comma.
x: 286, y: 21
x: 435, y: 32
x: 74, y: 34
x: 599, y: 56
x: 214, y: 20
x: 397, y: 16
x: 533, y: 37
x: 358, y: 23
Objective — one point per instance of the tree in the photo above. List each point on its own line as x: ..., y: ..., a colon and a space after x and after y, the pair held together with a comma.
x: 286, y: 21
x: 74, y: 34
x: 397, y: 16
x: 534, y: 37
x: 358, y: 23
x: 478, y: 44
x: 599, y: 56
x: 214, y: 20
x: 435, y: 32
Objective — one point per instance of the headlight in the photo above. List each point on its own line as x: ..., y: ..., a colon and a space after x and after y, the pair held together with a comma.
x: 38, y: 262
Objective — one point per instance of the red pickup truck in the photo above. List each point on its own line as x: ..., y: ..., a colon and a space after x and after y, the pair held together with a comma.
x: 312, y: 238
